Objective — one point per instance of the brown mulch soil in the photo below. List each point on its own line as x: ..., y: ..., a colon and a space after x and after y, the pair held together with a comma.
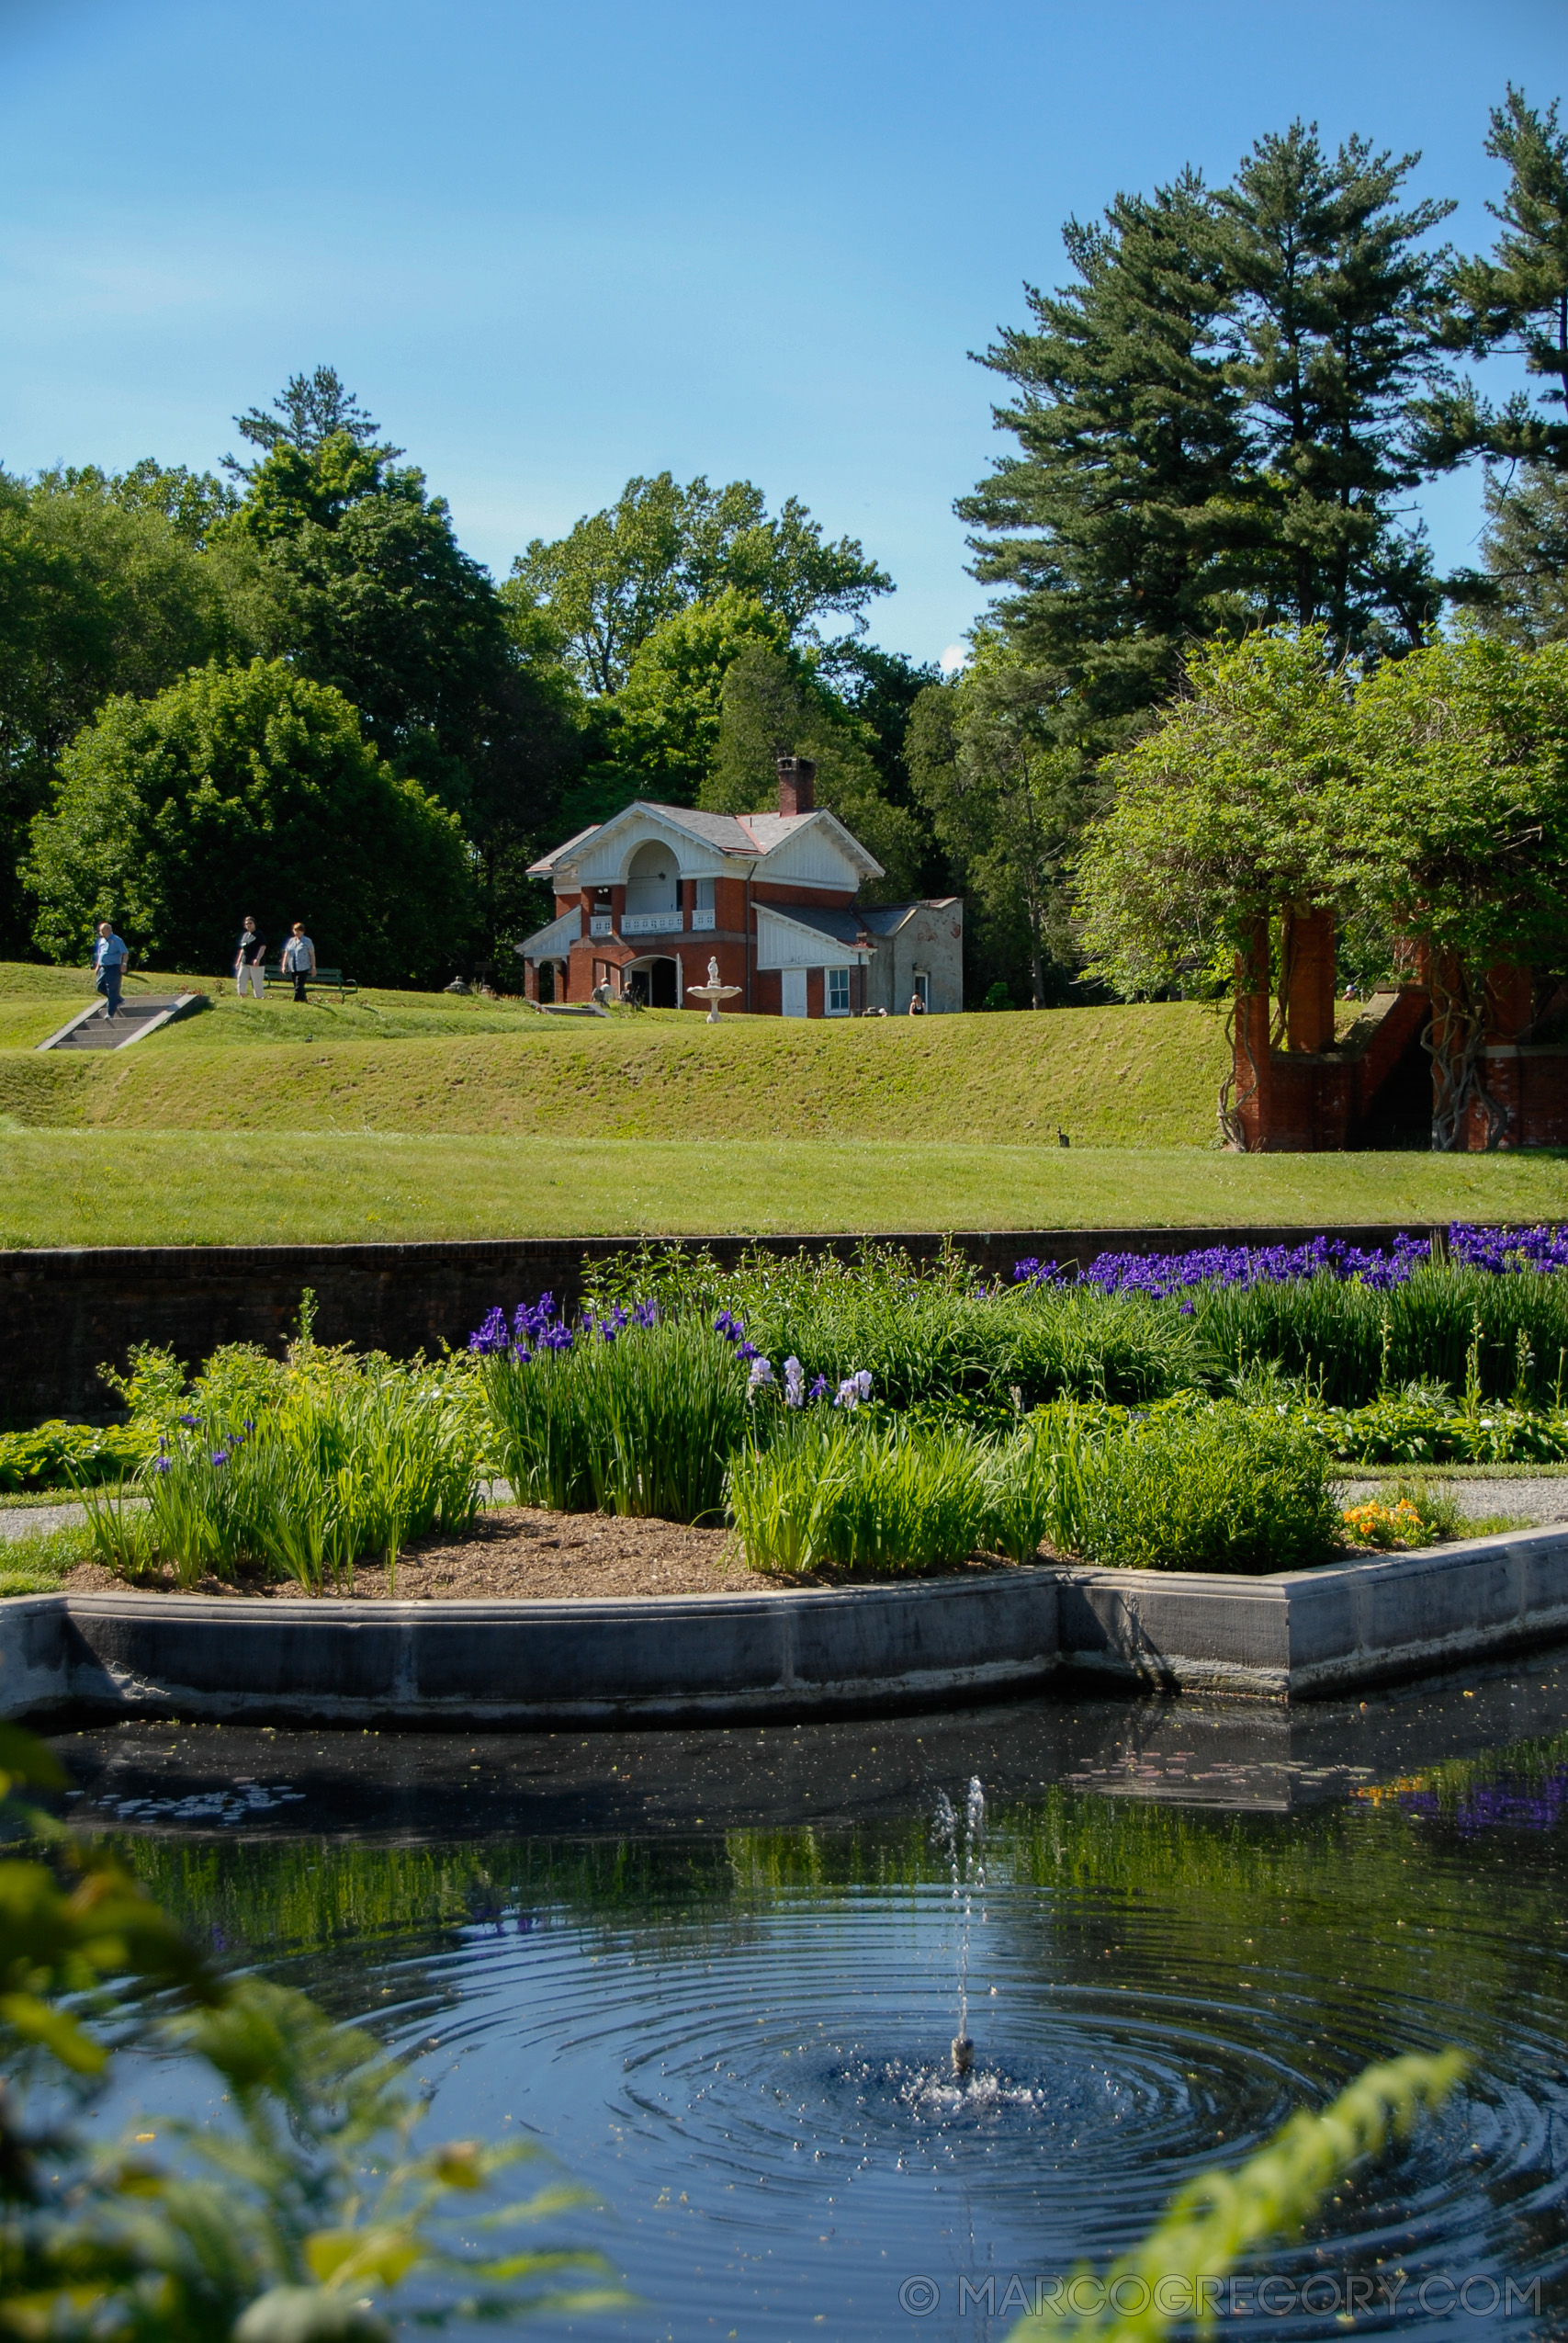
x: 518, y: 1553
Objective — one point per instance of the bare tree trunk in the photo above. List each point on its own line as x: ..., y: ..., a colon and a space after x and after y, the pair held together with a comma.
x: 1233, y: 1131
x: 1251, y: 978
x: 1455, y: 1042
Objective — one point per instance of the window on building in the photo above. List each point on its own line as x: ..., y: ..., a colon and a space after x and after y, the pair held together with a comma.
x: 703, y: 901
x: 838, y: 1002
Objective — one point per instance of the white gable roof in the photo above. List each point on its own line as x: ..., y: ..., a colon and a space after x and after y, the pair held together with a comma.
x: 703, y: 844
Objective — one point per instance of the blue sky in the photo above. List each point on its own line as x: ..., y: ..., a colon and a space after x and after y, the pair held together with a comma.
x: 552, y: 247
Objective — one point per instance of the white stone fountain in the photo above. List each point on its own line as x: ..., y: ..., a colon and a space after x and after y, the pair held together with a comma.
x: 713, y: 993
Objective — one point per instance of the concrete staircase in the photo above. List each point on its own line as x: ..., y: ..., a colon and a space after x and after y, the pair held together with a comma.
x: 94, y: 1028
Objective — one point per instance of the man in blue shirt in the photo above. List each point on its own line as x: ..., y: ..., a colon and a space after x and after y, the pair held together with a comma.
x: 110, y: 956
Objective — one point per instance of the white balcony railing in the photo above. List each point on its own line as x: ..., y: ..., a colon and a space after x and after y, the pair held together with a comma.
x: 703, y: 921
x: 601, y: 924
x: 650, y: 923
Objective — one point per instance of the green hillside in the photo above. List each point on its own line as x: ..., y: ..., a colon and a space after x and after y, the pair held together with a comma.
x: 1122, y: 1076
x: 403, y: 1115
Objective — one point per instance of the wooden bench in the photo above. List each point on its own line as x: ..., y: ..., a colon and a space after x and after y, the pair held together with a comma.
x: 327, y: 980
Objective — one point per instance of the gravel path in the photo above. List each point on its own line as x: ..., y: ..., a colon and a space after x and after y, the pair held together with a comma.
x: 37, y: 1520
x: 1545, y: 1500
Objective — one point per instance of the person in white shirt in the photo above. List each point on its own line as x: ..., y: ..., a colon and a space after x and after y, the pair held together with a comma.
x: 300, y: 959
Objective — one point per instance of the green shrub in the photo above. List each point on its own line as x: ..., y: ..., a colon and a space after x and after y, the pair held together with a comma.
x: 1428, y: 1430
x: 1502, y: 1337
x: 642, y: 1424
x: 828, y: 1490
x: 932, y: 1335
x: 1224, y: 1490
x: 57, y: 1454
x: 1042, y: 1485
x: 345, y: 1457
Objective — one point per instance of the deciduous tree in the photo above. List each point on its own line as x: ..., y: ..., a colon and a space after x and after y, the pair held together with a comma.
x: 248, y: 788
x: 1224, y: 816
x: 619, y: 574
x: 99, y: 592
x: 1458, y: 834
x: 1005, y: 797
x: 773, y: 705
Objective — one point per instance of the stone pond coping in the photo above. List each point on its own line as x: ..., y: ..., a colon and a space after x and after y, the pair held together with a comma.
x: 1300, y: 1635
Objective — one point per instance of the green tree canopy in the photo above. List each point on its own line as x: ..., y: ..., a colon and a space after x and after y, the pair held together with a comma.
x: 248, y: 789
x: 1524, y: 552
x: 1005, y: 797
x: 1458, y: 834
x: 99, y: 592
x: 368, y: 591
x: 310, y: 409
x: 670, y: 712
x: 661, y: 549
x: 1114, y: 531
x: 1334, y: 313
x: 376, y: 598
x: 1223, y: 813
x: 773, y: 705
x: 1215, y: 427
x: 192, y: 503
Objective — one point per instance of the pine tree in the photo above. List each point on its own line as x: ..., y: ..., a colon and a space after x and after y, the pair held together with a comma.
x: 1524, y: 595
x: 1516, y: 302
x: 1114, y: 531
x: 1335, y: 311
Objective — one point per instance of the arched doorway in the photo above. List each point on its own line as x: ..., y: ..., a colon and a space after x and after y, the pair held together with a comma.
x: 653, y: 982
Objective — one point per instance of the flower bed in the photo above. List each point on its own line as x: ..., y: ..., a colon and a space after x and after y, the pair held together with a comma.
x: 1183, y: 1412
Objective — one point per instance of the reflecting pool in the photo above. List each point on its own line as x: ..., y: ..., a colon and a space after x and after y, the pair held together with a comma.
x: 717, y: 1974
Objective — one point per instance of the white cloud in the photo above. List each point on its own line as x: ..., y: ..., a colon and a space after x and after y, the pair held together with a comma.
x: 955, y: 656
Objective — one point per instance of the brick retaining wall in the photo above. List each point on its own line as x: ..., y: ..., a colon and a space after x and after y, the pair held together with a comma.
x: 65, y: 1312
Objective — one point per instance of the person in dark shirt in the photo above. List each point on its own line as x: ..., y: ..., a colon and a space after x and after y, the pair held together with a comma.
x: 249, y: 961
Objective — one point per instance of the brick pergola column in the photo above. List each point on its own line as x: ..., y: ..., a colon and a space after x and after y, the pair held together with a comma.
x: 1309, y: 962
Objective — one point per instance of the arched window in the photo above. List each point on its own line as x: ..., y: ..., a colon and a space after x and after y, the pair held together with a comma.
x: 653, y: 879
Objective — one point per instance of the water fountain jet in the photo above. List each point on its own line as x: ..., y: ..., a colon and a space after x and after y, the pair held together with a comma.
x: 968, y: 1870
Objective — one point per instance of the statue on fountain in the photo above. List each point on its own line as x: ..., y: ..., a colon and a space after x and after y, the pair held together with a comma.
x: 713, y: 993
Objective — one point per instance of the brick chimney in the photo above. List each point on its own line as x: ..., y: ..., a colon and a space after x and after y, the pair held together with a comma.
x: 797, y: 780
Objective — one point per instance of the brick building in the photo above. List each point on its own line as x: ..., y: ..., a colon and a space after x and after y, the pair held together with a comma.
x: 1299, y: 1085
x: 645, y: 900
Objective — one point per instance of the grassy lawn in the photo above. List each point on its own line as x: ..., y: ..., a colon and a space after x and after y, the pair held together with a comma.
x: 1143, y: 1076
x: 430, y: 1115
x: 35, y: 1564
x: 103, y: 1187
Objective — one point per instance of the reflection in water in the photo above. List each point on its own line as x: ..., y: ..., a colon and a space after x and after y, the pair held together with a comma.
x: 1513, y: 1801
x: 725, y: 2005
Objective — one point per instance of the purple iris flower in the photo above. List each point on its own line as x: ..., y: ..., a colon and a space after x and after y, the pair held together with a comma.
x: 819, y: 1389
x: 221, y: 1455
x: 793, y: 1382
